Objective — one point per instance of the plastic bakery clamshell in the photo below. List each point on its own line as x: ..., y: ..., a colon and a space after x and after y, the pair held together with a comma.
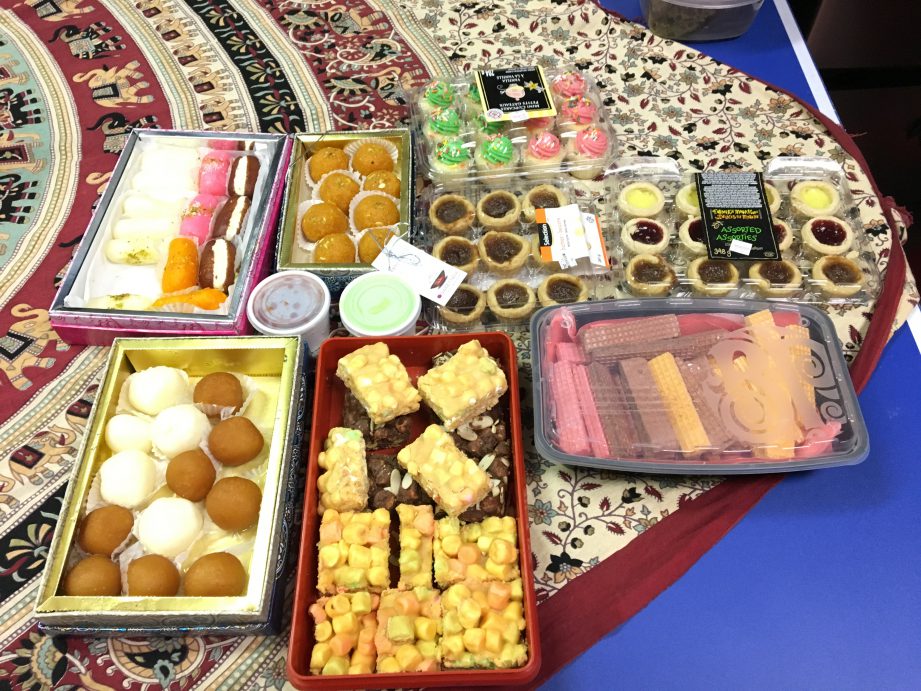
x: 699, y: 386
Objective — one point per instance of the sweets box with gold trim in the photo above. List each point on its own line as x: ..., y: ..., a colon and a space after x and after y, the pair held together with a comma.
x: 114, y: 284
x: 294, y: 250
x: 272, y: 370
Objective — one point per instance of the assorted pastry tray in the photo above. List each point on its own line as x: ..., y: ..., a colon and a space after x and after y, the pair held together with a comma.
x: 455, y: 140
x: 699, y: 386
x: 659, y: 237
x: 177, y: 512
x: 415, y: 562
x: 180, y: 237
x: 490, y: 232
x: 347, y: 194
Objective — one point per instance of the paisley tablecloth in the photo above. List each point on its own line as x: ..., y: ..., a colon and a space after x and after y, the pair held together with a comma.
x: 77, y: 75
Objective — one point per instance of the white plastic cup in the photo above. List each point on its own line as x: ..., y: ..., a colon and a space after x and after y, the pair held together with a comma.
x: 291, y: 303
x: 379, y: 304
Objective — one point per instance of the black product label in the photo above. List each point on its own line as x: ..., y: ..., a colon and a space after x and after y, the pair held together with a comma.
x: 515, y: 93
x: 737, y: 221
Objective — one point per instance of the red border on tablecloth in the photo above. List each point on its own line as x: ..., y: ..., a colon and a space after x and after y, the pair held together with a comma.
x: 624, y: 583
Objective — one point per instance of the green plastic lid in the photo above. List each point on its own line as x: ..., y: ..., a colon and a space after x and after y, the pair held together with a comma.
x: 379, y: 304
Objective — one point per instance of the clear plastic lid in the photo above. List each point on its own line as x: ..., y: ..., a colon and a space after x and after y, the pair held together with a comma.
x: 693, y: 386
x: 456, y: 141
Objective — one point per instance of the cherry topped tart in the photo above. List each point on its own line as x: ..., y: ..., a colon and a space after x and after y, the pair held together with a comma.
x: 827, y: 235
x: 644, y: 236
x: 691, y: 235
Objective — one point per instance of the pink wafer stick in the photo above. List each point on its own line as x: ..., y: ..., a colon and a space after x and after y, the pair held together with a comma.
x: 569, y: 352
x: 589, y: 413
x: 683, y: 346
x: 630, y: 330
x: 647, y: 406
x: 570, y: 429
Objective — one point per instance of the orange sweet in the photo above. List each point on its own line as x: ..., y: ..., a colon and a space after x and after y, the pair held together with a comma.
x: 326, y: 160
x: 181, y: 270
x: 372, y: 242
x: 322, y: 219
x: 371, y: 157
x: 382, y: 181
x: 337, y: 248
x: 338, y: 189
x: 206, y: 299
x: 375, y: 211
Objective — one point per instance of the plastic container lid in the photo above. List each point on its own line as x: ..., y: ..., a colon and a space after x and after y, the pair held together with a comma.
x: 289, y: 303
x: 379, y: 304
x: 699, y: 386
x: 713, y: 4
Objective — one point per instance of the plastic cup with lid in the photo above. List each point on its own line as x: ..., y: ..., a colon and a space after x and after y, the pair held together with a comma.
x: 379, y: 304
x: 291, y: 303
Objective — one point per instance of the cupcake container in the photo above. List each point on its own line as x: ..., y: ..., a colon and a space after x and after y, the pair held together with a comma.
x: 783, y: 173
x: 533, y: 272
x: 564, y: 129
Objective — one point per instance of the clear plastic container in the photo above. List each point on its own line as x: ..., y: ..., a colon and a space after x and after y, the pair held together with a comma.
x: 697, y: 386
x: 825, y: 257
x: 699, y: 20
x: 489, y: 229
x: 455, y: 142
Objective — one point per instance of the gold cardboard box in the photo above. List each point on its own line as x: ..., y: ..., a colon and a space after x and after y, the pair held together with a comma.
x: 289, y: 255
x: 275, y: 366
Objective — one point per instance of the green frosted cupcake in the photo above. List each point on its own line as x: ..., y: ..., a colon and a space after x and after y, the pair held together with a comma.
x: 496, y: 154
x: 435, y: 96
x: 483, y: 129
x: 443, y: 123
x: 451, y: 157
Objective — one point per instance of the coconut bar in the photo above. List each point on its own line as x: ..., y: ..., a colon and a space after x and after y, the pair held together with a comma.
x: 485, y: 439
x: 467, y: 385
x: 408, y: 631
x: 390, y: 435
x: 379, y: 381
x: 344, y: 629
x: 391, y: 485
x: 354, y: 551
x: 485, y: 551
x: 344, y: 485
x: 447, y: 475
x: 417, y: 532
x: 482, y: 625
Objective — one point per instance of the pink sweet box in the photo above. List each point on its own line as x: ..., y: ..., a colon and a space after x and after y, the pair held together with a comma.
x: 115, y: 279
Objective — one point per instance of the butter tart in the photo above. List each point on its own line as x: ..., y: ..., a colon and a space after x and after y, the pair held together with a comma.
x: 458, y: 252
x: 815, y: 198
x: 542, y: 197
x: 562, y: 289
x: 644, y: 236
x: 838, y: 276
x: 651, y: 275
x: 640, y: 199
x: 498, y: 210
x: 827, y: 235
x: 503, y: 253
x: 466, y: 306
x: 714, y: 277
x: 510, y: 300
x: 776, y: 278
x: 452, y: 214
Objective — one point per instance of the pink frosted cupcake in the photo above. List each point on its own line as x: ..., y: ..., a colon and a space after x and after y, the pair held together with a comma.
x: 543, y: 150
x: 577, y: 113
x: 568, y: 85
x: 586, y: 153
x: 536, y: 125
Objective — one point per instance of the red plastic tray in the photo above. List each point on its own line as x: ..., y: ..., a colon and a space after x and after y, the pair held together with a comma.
x: 416, y: 353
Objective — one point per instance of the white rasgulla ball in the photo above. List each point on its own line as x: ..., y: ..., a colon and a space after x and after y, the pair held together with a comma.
x: 157, y: 388
x: 180, y: 428
x: 125, y: 432
x: 127, y: 478
x: 169, y: 526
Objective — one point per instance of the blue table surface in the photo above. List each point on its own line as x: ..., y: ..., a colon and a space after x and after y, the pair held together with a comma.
x: 819, y: 585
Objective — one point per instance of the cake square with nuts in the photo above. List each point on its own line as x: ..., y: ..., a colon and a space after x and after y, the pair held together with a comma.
x: 379, y: 381
x: 354, y: 551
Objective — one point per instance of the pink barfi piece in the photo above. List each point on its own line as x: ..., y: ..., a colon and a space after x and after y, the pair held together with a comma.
x: 197, y: 219
x: 212, y: 176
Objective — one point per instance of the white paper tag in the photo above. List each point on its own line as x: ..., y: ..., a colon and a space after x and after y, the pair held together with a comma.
x: 740, y: 247
x: 569, y: 245
x: 597, y: 254
x: 428, y: 276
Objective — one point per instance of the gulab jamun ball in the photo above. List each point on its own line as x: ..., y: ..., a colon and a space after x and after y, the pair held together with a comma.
x: 190, y: 475
x: 220, y: 389
x: 215, y: 575
x: 233, y: 503
x: 104, y: 529
x: 153, y: 576
x: 235, y: 441
x: 93, y: 576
